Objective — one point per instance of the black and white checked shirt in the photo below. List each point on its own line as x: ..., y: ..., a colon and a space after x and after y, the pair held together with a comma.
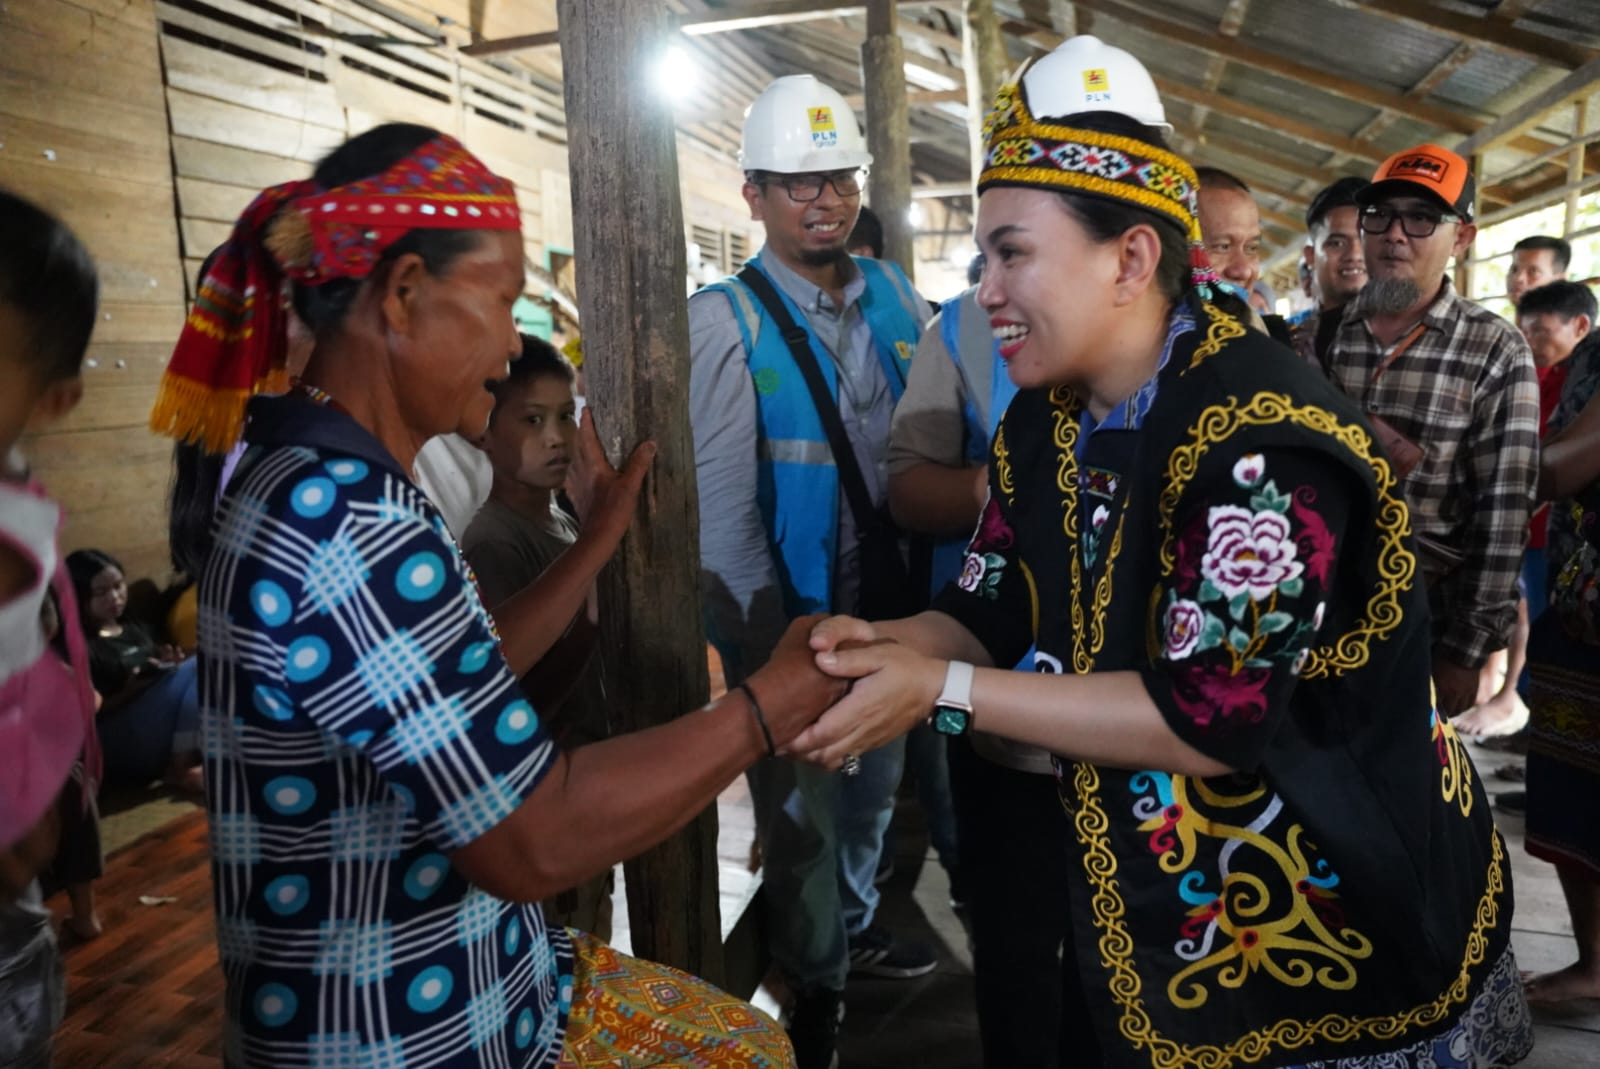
x: 1464, y: 391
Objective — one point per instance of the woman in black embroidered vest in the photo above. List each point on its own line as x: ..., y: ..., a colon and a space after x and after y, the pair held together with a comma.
x: 1283, y: 856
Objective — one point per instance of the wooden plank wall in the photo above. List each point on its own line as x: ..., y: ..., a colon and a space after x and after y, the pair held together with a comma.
x: 84, y: 130
x: 258, y: 91
x: 150, y: 124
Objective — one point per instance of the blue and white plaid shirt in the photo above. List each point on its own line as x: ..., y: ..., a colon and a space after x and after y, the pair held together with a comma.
x: 359, y: 723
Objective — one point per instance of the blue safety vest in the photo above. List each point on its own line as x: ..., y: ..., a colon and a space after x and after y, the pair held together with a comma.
x: 798, y: 484
x: 948, y: 556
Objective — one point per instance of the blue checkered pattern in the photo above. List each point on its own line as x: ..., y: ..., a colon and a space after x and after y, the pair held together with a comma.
x: 334, y: 574
x: 363, y: 952
x: 336, y: 793
x: 478, y: 917
x: 486, y: 1014
x: 393, y: 667
x: 429, y: 729
x: 374, y: 832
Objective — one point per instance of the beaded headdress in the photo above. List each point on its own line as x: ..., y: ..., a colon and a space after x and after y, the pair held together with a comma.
x: 1020, y: 150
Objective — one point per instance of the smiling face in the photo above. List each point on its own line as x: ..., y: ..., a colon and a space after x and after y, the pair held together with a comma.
x: 534, y: 432
x: 1047, y: 285
x: 1338, y: 263
x: 451, y: 336
x: 1231, y: 225
x: 812, y: 234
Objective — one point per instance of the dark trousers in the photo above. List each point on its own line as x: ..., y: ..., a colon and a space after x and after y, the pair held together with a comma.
x: 1013, y: 834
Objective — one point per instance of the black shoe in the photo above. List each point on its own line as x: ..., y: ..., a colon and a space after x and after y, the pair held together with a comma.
x: 814, y: 1019
x: 1512, y: 802
x: 874, y: 952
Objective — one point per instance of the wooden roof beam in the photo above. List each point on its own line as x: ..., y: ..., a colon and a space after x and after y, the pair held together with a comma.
x: 921, y: 98
x: 1477, y: 29
x: 711, y: 20
x: 1268, y: 119
x: 1288, y: 165
x: 1580, y: 84
x: 1193, y: 36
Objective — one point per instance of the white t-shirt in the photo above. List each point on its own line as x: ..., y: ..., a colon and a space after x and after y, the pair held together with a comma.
x: 456, y: 475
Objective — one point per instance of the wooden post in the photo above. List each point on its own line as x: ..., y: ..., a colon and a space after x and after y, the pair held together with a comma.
x: 983, y: 53
x: 883, y: 77
x: 1465, y: 269
x: 1580, y: 120
x: 631, y: 266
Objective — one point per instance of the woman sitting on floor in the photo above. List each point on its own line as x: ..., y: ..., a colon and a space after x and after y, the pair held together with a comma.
x: 386, y: 808
x: 150, y: 709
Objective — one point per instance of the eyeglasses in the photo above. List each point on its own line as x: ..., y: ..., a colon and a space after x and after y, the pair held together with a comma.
x: 805, y: 188
x: 1416, y: 222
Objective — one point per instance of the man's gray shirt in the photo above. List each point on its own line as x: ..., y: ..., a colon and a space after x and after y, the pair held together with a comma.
x: 743, y: 598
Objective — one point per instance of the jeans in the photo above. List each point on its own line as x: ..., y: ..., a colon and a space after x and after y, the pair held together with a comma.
x: 140, y: 738
x: 1014, y: 838
x: 866, y: 806
x: 819, y: 854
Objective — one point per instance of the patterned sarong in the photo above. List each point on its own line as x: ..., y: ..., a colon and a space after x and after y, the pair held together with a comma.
x: 628, y: 1013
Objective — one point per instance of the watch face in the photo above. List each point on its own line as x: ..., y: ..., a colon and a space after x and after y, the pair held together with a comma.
x: 948, y: 720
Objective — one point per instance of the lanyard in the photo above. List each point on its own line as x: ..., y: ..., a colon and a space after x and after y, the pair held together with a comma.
x: 1400, y: 347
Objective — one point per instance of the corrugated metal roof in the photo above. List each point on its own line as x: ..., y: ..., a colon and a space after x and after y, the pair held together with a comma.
x: 1364, y: 47
x: 1352, y: 43
x: 1335, y: 114
x: 1488, y: 75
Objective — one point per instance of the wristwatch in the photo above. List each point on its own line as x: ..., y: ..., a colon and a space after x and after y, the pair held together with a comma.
x: 952, y: 712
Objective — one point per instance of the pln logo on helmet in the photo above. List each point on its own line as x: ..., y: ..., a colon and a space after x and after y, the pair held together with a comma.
x: 1096, y: 86
x: 823, y: 132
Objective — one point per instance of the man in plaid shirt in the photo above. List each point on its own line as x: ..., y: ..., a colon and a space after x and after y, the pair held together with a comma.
x: 1458, y: 382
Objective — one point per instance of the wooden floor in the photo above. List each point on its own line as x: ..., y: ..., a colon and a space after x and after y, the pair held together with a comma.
x: 148, y: 992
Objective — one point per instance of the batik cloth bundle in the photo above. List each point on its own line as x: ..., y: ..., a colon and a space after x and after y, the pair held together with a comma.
x: 233, y: 345
x: 1020, y: 150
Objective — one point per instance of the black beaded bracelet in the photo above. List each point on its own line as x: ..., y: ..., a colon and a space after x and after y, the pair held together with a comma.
x: 761, y: 718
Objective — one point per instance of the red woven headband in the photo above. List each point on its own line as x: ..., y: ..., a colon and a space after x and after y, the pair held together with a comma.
x: 234, y: 342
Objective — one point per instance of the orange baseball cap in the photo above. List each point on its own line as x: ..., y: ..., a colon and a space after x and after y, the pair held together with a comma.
x: 1431, y: 170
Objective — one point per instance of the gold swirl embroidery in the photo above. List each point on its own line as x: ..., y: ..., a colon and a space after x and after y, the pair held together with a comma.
x: 1002, y: 466
x: 1088, y: 636
x: 1455, y: 775
x: 1396, y: 565
x: 1065, y: 437
x: 1224, y: 328
x: 1125, y: 986
x: 1083, y: 655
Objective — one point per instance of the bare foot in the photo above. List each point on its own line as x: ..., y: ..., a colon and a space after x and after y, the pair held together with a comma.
x: 1504, y: 714
x: 1564, y: 985
x: 187, y: 781
x: 85, y: 928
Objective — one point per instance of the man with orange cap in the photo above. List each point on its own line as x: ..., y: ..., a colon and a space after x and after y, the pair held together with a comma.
x: 1450, y: 389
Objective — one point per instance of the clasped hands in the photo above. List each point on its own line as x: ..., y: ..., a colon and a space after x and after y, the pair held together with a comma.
x: 838, y: 685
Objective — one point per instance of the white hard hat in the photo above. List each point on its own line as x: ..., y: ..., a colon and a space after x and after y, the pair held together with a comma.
x: 797, y: 126
x: 1086, y: 74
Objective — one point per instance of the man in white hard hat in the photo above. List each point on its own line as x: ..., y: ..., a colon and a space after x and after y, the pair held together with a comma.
x: 785, y: 524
